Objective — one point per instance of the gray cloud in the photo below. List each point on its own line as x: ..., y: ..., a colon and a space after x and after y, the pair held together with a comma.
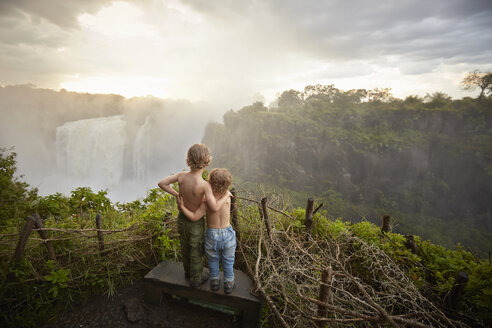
x: 59, y: 12
x: 21, y: 30
x: 242, y: 47
x: 421, y: 29
x: 362, y: 29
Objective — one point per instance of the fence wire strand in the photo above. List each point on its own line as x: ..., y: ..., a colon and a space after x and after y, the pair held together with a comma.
x: 288, y: 270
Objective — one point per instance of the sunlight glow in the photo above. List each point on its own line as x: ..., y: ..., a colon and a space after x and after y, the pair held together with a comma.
x: 120, y: 20
x: 174, y: 49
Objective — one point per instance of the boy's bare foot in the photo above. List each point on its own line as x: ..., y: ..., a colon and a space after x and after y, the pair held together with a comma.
x: 228, y: 286
x: 214, y: 284
x: 196, y: 284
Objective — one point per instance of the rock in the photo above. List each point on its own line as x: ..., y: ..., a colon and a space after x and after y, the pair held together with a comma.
x: 134, y: 309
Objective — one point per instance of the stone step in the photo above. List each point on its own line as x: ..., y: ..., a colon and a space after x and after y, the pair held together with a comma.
x: 168, y: 278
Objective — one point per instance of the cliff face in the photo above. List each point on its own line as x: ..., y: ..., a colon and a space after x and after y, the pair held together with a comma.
x: 412, y: 156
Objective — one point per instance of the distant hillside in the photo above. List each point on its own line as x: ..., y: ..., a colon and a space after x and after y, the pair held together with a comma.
x: 427, y: 162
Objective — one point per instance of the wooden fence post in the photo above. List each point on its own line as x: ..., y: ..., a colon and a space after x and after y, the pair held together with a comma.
x: 44, y: 235
x: 456, y: 293
x: 265, y: 217
x: 308, y: 222
x: 324, y: 292
x: 21, y: 244
x: 410, y: 243
x: 234, y: 214
x: 385, y: 227
x: 100, y: 235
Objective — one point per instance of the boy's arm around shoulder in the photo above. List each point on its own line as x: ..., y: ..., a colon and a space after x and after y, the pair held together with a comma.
x: 165, y: 184
x: 223, y: 200
x: 215, y: 204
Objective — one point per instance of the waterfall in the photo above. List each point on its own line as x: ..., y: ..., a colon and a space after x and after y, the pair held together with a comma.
x: 92, y: 149
x: 141, y: 151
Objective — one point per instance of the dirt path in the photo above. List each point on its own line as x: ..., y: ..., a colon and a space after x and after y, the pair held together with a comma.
x: 128, y: 309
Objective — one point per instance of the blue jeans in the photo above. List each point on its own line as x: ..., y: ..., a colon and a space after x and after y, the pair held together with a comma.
x: 220, y: 244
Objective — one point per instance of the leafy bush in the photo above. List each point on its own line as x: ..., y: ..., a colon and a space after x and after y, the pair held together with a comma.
x: 83, y: 200
x: 36, y: 288
x: 16, y: 197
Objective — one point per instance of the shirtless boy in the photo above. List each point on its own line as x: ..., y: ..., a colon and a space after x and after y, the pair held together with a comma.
x: 220, y: 238
x: 192, y: 191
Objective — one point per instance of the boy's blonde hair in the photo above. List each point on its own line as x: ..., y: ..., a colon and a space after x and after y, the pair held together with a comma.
x: 198, y: 156
x: 220, y: 180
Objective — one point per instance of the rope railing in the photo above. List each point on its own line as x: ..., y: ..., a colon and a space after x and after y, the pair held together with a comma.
x: 305, y: 280
x: 47, y: 238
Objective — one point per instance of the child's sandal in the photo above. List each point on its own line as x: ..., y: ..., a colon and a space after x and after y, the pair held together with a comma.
x: 214, y: 284
x: 228, y: 286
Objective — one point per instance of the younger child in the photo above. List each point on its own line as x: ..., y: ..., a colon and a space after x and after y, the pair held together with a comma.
x: 220, y: 238
x: 192, y: 191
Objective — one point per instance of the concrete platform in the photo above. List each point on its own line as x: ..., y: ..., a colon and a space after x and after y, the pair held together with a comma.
x: 168, y: 278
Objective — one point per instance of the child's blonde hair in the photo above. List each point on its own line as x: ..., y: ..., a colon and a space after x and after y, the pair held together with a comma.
x: 220, y: 180
x: 198, y: 156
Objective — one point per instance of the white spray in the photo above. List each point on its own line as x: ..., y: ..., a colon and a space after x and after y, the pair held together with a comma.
x: 92, y: 149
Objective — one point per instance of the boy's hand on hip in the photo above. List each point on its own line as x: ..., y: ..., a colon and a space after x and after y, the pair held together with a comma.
x: 180, y: 202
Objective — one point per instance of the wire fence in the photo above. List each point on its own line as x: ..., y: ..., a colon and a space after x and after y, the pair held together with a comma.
x: 312, y: 281
x: 304, y: 280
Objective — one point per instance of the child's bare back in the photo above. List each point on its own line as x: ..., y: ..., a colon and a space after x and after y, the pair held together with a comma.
x: 220, y: 219
x: 191, y: 188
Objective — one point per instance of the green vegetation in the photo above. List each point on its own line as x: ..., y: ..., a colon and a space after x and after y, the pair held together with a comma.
x: 137, y: 236
x: 361, y: 248
x: 426, y: 162
x: 16, y: 198
x: 140, y: 234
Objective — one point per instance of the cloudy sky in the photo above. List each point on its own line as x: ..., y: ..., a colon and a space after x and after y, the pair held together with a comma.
x: 241, y: 51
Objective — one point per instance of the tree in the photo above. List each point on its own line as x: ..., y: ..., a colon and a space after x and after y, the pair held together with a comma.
x: 413, y: 99
x: 254, y: 108
x: 482, y: 80
x: 16, y: 197
x: 291, y: 99
x: 380, y: 95
x: 319, y: 91
x: 437, y: 99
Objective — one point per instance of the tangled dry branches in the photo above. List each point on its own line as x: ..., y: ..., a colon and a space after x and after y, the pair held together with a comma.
x: 364, y: 286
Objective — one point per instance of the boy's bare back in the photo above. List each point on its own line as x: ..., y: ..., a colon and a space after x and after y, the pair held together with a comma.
x: 220, y: 219
x: 192, y: 189
x: 220, y: 180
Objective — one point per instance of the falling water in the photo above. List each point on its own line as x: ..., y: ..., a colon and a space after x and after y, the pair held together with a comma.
x: 141, y: 151
x: 92, y: 149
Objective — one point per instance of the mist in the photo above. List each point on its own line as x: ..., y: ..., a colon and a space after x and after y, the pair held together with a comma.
x: 426, y: 162
x: 66, y: 140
